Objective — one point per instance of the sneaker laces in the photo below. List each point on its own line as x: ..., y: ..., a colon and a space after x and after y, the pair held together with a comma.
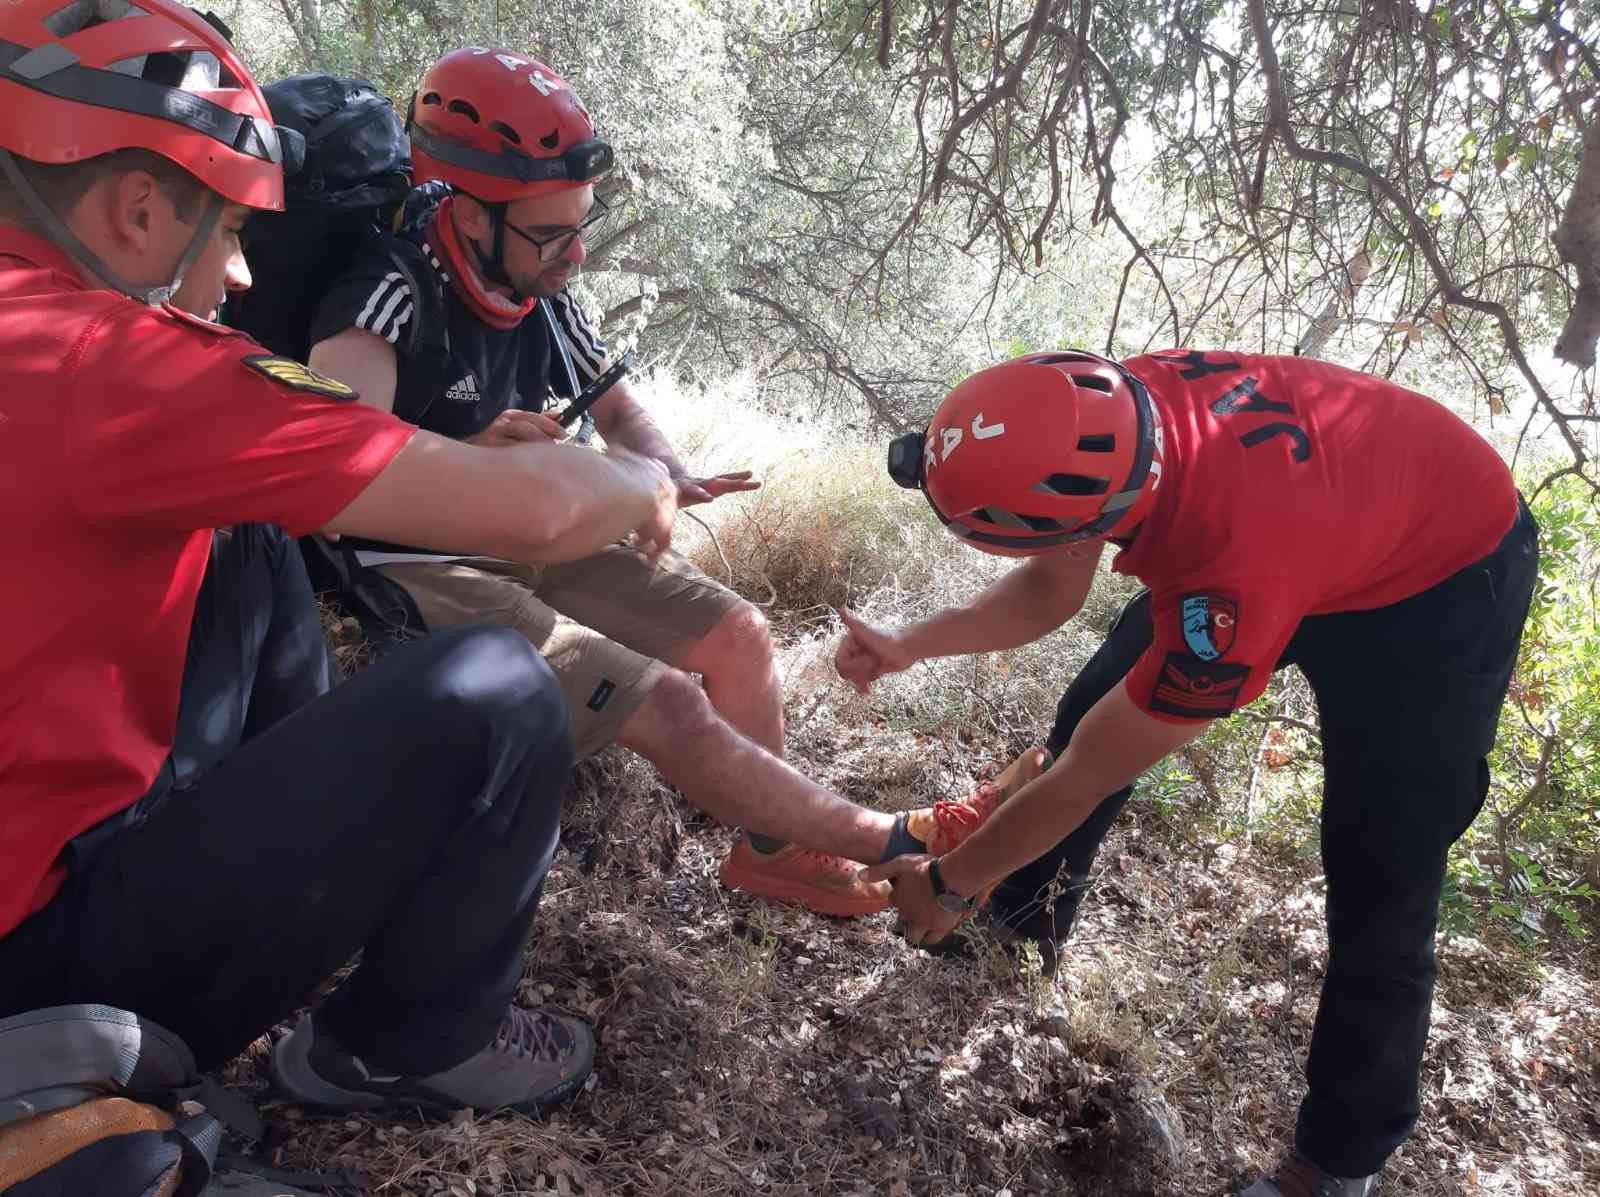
x: 960, y: 819
x: 534, y: 1035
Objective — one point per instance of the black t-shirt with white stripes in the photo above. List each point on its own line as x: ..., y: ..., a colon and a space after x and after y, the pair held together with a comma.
x: 491, y: 369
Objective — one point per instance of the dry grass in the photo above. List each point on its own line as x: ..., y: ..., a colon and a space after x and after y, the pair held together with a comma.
x: 751, y: 1049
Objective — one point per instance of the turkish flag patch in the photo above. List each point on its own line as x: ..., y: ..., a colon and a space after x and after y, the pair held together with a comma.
x: 1194, y: 689
x: 1210, y: 623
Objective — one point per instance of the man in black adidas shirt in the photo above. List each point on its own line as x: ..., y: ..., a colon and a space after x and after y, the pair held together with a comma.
x: 507, y: 155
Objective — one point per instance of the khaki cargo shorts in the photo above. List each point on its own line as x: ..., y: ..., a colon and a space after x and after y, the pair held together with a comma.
x: 606, y: 624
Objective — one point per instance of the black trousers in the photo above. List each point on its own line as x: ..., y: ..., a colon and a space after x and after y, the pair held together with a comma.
x: 1409, y: 697
x: 409, y: 814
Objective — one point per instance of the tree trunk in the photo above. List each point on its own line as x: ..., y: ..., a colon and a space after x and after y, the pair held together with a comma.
x: 1340, y: 304
x: 1577, y: 240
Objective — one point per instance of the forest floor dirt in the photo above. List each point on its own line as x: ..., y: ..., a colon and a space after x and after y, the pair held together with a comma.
x: 747, y: 1048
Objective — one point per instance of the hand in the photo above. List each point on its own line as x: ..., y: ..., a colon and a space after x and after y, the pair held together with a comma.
x: 693, y: 491
x: 515, y: 427
x: 867, y: 653
x: 653, y: 536
x: 924, y: 922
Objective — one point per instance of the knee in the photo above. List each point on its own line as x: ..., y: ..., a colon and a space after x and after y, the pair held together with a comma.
x: 496, y: 675
x: 742, y: 638
x: 679, y: 711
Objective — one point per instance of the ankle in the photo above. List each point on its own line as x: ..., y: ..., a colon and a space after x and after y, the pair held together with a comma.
x: 901, y: 841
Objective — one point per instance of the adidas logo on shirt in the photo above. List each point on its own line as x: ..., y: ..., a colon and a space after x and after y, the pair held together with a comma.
x: 465, y: 391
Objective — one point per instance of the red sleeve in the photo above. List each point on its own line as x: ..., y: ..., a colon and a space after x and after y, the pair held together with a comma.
x: 178, y: 424
x: 1214, y: 650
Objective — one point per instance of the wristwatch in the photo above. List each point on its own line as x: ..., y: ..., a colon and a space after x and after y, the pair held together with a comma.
x: 947, y: 898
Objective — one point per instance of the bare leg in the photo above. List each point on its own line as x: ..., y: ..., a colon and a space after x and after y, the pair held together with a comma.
x: 735, y: 659
x: 739, y: 782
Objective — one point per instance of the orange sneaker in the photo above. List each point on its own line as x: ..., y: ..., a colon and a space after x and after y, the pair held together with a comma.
x: 943, y: 825
x: 815, y: 880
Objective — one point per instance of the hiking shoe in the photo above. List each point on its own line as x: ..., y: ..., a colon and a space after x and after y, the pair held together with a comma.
x: 820, y: 882
x: 536, y: 1060
x: 1299, y: 1177
x: 944, y: 825
x: 1039, y: 929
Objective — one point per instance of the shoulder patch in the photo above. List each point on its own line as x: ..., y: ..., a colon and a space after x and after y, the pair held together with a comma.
x: 299, y: 377
x: 1210, y: 623
x: 1194, y: 689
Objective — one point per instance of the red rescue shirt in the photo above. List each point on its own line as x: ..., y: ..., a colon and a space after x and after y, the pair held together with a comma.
x: 1293, y: 487
x: 127, y: 433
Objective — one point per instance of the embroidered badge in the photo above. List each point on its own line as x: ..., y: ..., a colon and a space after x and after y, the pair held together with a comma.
x: 299, y: 377
x: 1210, y: 623
x: 1194, y: 689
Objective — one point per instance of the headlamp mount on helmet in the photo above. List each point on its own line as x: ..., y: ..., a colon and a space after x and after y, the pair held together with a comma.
x: 905, y: 459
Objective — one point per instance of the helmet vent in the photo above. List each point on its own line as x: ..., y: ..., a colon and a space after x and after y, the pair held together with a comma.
x: 433, y: 98
x: 86, y: 14
x: 506, y: 131
x: 466, y: 110
x: 1094, y: 382
x: 551, y: 140
x: 1104, y: 443
x: 1073, y: 484
x: 1011, y: 519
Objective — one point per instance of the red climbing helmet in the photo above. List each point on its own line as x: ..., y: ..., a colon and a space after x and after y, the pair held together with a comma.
x: 1037, y: 452
x: 501, y: 127
x: 87, y: 78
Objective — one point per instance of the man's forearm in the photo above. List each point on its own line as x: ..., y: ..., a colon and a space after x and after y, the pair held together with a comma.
x: 638, y: 433
x: 1027, y: 603
x: 1111, y: 747
x: 610, y: 500
x: 533, y: 502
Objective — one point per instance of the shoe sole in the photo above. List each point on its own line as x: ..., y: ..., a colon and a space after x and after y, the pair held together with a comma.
x: 797, y: 893
x: 289, y: 1065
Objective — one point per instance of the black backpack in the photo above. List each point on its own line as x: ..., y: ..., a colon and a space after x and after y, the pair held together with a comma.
x: 345, y: 199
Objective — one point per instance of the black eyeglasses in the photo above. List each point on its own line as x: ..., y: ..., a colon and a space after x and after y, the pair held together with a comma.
x: 552, y: 247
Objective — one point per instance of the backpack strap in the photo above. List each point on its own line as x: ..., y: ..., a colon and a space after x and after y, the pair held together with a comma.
x: 558, y: 350
x: 57, y: 1057
x: 427, y: 344
x: 246, y: 1176
x: 200, y: 1139
x: 387, y: 613
x: 225, y: 1106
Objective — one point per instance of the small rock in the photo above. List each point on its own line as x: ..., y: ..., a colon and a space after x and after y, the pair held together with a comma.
x: 1160, y: 1124
x: 871, y: 1113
